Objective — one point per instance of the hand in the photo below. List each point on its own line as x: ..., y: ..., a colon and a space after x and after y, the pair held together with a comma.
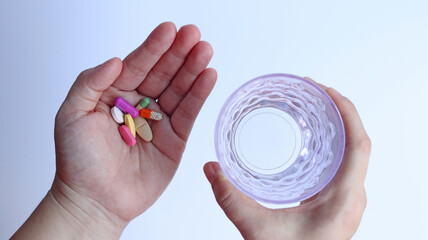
x: 93, y: 162
x: 334, y: 213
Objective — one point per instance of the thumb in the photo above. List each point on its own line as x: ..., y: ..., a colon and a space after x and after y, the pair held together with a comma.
x: 89, y: 85
x: 244, y: 212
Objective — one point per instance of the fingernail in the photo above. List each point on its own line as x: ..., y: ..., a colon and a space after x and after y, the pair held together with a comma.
x: 108, y: 60
x: 322, y: 85
x: 211, y: 172
x: 104, y: 63
x: 335, y: 92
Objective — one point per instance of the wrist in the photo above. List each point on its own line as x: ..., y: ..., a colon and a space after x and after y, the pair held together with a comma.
x: 83, y: 215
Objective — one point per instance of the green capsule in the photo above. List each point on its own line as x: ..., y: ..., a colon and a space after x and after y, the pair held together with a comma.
x: 145, y: 102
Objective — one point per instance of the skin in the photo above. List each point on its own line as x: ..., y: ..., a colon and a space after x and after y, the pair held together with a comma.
x: 334, y: 213
x: 101, y: 183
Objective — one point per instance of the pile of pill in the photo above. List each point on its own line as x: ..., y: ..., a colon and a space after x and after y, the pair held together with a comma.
x: 134, y: 119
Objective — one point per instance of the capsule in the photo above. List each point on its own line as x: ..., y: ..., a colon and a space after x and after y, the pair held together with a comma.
x: 146, y: 113
x: 143, y: 104
x: 123, y: 105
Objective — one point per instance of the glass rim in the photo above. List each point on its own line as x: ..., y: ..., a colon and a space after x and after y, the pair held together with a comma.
x: 340, y: 131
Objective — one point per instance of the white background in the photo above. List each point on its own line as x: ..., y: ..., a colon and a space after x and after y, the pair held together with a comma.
x: 374, y: 52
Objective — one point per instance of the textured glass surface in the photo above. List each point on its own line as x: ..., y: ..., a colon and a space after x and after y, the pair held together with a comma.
x: 313, y: 132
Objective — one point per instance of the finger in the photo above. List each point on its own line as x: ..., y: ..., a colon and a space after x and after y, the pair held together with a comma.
x: 357, y: 150
x: 138, y: 63
x: 183, y: 118
x: 164, y: 137
x: 243, y: 211
x: 349, y: 180
x: 196, y: 62
x: 166, y: 68
x: 88, y: 87
x: 166, y: 141
x: 310, y: 199
x: 358, y: 143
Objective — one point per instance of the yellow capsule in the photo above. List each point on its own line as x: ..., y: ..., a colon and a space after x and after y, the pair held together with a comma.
x: 143, y: 129
x: 129, y: 122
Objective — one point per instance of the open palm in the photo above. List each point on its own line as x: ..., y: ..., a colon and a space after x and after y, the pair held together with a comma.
x: 93, y: 160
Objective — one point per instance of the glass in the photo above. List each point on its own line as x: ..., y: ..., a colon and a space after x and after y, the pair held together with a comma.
x: 279, y: 138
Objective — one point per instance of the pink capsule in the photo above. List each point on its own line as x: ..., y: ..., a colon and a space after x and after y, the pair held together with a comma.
x: 123, y: 105
x: 127, y: 135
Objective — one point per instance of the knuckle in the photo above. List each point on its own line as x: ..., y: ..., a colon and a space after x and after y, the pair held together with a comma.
x: 58, y: 116
x: 60, y: 113
x: 135, y: 69
x: 178, y: 89
x: 163, y: 75
x: 83, y: 74
x: 152, y: 49
x: 187, y: 115
x: 347, y: 100
x: 349, y: 103
x: 353, y: 210
x: 364, y: 200
x: 360, y: 203
x: 225, y: 201
x: 328, y: 89
x: 222, y: 193
x: 350, y: 219
x: 365, y: 144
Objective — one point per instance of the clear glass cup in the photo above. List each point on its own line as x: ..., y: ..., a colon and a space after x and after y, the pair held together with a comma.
x: 279, y: 138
